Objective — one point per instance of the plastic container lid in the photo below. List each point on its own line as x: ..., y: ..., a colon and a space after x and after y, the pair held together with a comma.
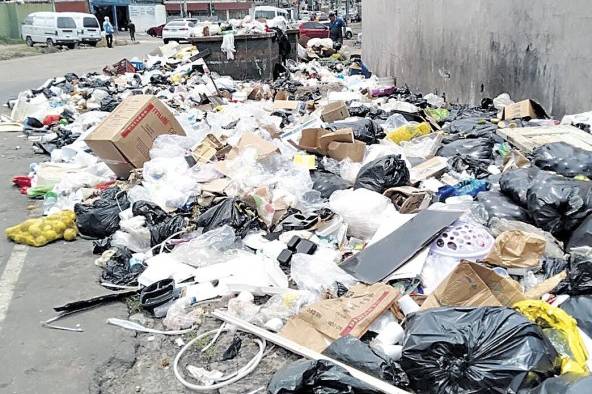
x: 463, y: 240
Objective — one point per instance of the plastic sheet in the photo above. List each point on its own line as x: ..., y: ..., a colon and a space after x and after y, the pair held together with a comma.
x: 316, y: 377
x: 580, y: 308
x: 564, y: 159
x: 582, y: 235
x: 383, y: 173
x: 101, y: 218
x: 319, y: 272
x: 564, y: 384
x: 475, y: 350
x: 355, y: 353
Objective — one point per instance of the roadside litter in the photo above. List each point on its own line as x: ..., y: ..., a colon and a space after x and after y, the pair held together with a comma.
x: 399, y: 242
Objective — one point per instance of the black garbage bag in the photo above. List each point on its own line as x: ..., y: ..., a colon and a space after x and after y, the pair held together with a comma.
x: 551, y: 266
x: 515, y: 183
x: 326, y: 183
x: 365, y: 130
x: 316, y: 377
x: 580, y: 308
x: 101, y: 245
x: 101, y: 218
x: 475, y: 350
x: 232, y: 212
x: 582, y: 235
x: 475, y: 167
x: 359, y: 111
x: 152, y: 212
x: 109, y: 103
x: 118, y: 270
x: 564, y: 159
x: 564, y: 384
x: 383, y: 173
x: 161, y: 231
x: 476, y: 148
x: 579, y: 276
x: 471, y: 127
x: 355, y: 353
x: 496, y: 204
x: 558, y: 204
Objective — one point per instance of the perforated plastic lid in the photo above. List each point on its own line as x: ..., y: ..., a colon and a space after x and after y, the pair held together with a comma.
x: 463, y: 240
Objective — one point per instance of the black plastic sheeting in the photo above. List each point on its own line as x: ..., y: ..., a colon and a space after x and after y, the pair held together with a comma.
x: 551, y: 266
x: 581, y: 236
x: 161, y: 224
x: 564, y: 384
x: 475, y: 167
x: 496, y: 204
x: 515, y: 183
x: 316, y: 377
x: 365, y: 130
x: 327, y: 183
x: 579, y: 276
x: 355, y: 353
x: 101, y: 218
x: 232, y: 212
x: 383, y: 173
x: 476, y: 148
x: 475, y: 350
x: 564, y: 159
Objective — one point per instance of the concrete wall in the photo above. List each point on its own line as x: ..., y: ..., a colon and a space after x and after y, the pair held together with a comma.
x: 470, y: 49
x: 13, y: 14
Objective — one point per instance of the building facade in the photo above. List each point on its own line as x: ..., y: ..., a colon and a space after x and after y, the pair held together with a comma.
x: 217, y: 9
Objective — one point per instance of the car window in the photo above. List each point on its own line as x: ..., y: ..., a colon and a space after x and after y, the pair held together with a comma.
x: 90, y: 22
x: 191, y: 24
x: 312, y: 25
x: 66, y: 23
x: 265, y: 14
x: 28, y: 20
x: 176, y: 24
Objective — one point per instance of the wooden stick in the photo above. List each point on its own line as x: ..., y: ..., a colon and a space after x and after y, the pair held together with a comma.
x: 306, y: 352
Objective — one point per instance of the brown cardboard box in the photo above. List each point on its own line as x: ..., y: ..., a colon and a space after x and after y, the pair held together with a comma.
x: 429, y: 168
x: 338, y: 144
x: 123, y: 140
x: 471, y: 284
x: 289, y: 105
x: 354, y: 151
x: 334, y: 111
x: 523, y: 109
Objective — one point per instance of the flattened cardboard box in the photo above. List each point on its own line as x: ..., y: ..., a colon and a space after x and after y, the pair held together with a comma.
x: 523, y: 109
x: 124, y: 139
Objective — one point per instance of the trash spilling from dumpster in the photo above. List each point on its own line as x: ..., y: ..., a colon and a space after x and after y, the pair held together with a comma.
x: 395, y: 241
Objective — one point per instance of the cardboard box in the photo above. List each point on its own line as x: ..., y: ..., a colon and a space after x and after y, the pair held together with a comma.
x: 523, y: 109
x: 338, y: 144
x: 124, y: 139
x: 288, y: 105
x: 354, y: 151
x: 334, y: 111
x: 471, y: 284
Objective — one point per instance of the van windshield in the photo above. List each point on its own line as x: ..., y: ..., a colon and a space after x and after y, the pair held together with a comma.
x: 66, y: 23
x: 265, y: 14
x: 90, y: 22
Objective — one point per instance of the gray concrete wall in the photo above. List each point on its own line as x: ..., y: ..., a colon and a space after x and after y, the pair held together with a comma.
x: 470, y: 49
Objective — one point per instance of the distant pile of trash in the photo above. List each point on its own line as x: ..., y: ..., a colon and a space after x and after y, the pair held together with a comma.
x: 398, y: 242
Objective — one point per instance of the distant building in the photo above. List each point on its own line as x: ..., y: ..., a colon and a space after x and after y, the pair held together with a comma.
x: 221, y: 9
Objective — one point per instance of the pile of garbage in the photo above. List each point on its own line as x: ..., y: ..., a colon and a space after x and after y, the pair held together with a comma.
x: 398, y: 242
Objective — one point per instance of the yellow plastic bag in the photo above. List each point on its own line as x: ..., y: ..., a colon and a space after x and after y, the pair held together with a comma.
x: 408, y: 132
x: 565, y: 335
x: 43, y: 230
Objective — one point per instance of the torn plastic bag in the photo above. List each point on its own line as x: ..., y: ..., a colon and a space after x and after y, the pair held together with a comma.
x: 475, y: 350
x: 470, y: 127
x: 580, y: 308
x: 476, y: 148
x: 365, y: 130
x: 382, y: 174
x: 355, y: 353
x: 564, y: 159
x: 564, y: 384
x: 558, y: 204
x: 316, y: 377
x: 497, y: 205
x: 326, y: 183
x: 101, y: 245
x: 118, y: 270
x: 581, y: 236
x: 515, y: 183
x: 552, y: 266
x: 109, y: 103
x: 579, y: 274
x: 101, y: 218
x: 232, y: 212
x: 152, y: 212
x: 475, y: 167
x: 470, y: 187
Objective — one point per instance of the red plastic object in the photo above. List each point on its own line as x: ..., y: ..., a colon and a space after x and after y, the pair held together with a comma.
x: 23, y: 182
x: 51, y: 119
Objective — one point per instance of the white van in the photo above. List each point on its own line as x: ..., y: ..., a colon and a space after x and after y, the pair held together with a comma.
x: 268, y: 12
x: 51, y: 28
x: 89, y: 30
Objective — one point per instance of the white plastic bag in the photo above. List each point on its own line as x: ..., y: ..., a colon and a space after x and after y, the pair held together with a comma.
x: 319, y: 272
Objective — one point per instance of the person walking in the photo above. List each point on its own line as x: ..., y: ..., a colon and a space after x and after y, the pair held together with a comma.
x: 108, y: 29
x: 336, y: 29
x: 132, y: 30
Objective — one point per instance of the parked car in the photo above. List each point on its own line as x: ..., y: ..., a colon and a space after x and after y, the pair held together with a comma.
x: 178, y: 30
x: 268, y: 12
x: 89, y: 30
x: 347, y: 32
x: 155, y: 31
x: 313, y: 29
x: 51, y: 28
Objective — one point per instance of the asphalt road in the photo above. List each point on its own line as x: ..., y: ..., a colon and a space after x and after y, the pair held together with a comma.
x: 35, y: 359
x: 30, y: 72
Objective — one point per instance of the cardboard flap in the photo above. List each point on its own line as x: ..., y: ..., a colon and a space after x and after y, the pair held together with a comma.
x: 523, y: 109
